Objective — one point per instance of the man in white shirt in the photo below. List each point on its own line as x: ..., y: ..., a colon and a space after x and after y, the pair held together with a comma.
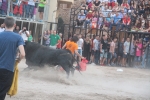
x: 126, y: 51
x: 2, y: 28
x: 80, y: 44
x: 24, y: 34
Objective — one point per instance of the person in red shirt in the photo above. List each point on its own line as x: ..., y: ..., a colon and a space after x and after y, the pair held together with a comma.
x: 125, y: 5
x: 88, y: 18
x: 126, y: 23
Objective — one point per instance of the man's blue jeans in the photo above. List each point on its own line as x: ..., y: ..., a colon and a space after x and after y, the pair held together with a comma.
x: 143, y: 60
x: 87, y: 22
x: 30, y: 11
x: 25, y: 10
x: 96, y: 56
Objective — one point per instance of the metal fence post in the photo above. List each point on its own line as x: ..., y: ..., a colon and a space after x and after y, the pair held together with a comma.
x: 8, y: 9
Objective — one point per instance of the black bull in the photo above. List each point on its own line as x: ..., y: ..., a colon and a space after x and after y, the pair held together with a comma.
x: 39, y: 55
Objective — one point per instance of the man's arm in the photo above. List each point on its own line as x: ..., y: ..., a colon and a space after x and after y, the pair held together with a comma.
x: 129, y: 21
x: 20, y: 31
x: 64, y: 46
x: 82, y: 43
x: 27, y: 33
x: 59, y: 39
x: 22, y: 52
x: 76, y: 52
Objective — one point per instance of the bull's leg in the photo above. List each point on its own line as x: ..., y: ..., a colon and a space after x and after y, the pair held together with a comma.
x: 72, y: 71
x: 67, y: 69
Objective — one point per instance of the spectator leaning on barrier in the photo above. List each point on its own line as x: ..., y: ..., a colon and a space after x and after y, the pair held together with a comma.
x: 24, y: 34
x: 41, y: 9
x: 54, y: 38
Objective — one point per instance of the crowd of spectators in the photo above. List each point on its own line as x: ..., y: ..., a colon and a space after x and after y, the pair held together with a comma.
x: 108, y: 51
x: 124, y: 14
x: 128, y: 15
x: 23, y: 9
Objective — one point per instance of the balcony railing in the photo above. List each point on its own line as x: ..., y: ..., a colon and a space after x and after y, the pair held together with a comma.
x: 23, y: 11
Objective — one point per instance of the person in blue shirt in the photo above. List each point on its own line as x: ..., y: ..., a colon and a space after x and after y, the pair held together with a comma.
x: 116, y: 22
x: 9, y: 42
x: 81, y: 18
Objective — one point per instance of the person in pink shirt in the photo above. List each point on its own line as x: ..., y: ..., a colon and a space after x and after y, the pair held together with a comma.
x: 139, y: 52
x: 94, y: 22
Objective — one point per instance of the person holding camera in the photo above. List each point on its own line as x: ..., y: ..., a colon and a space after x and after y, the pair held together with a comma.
x: 24, y: 34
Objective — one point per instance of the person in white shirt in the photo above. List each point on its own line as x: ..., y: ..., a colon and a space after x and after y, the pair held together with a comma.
x: 2, y: 28
x: 31, y: 6
x: 24, y: 34
x: 80, y: 44
x: 126, y: 51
